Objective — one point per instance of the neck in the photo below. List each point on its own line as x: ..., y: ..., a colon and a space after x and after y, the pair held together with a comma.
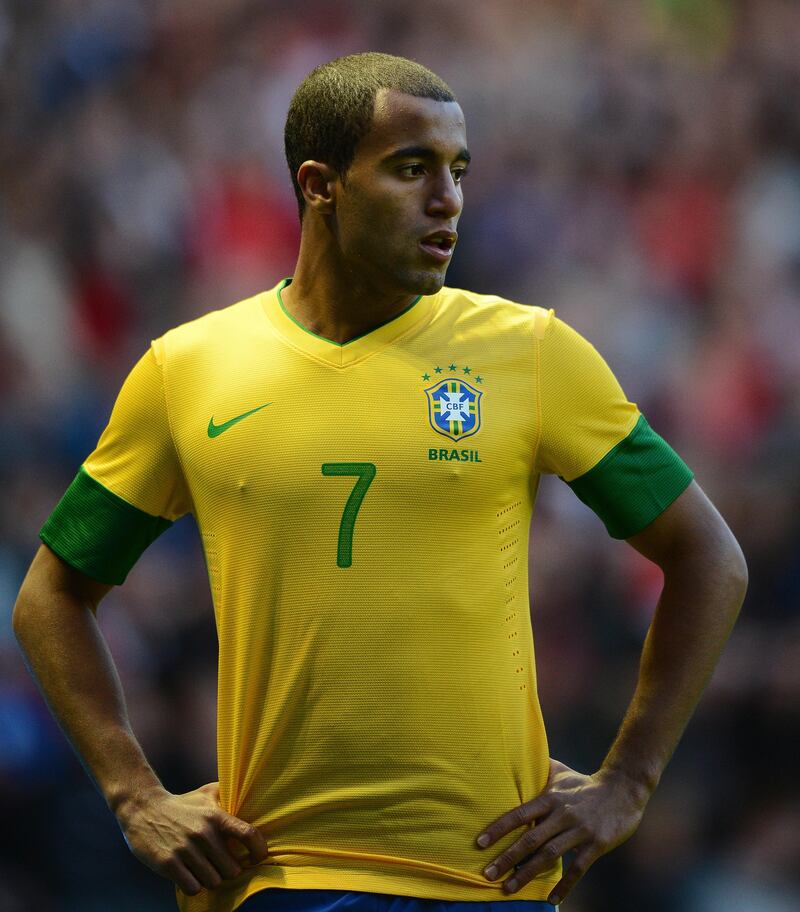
x: 334, y: 301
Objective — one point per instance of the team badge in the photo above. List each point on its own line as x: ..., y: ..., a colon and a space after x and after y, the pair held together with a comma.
x: 454, y: 408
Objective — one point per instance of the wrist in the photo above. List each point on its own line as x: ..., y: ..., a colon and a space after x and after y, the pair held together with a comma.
x: 127, y: 798
x: 639, y: 784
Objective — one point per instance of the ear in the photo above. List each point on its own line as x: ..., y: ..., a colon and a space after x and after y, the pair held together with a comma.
x: 318, y: 185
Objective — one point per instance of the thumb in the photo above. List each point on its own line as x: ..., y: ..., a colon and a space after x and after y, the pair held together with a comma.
x: 245, y: 833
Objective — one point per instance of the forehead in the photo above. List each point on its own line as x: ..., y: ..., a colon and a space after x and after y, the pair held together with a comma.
x: 404, y: 120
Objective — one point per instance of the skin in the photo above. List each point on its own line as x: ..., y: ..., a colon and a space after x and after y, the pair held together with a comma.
x: 360, y: 264
x: 187, y: 838
x: 705, y: 580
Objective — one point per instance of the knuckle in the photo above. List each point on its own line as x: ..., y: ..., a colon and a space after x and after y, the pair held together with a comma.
x: 582, y: 863
x: 167, y: 866
x: 519, y: 816
x: 576, y: 873
x: 550, y: 850
x: 198, y: 836
x: 502, y: 861
x: 602, y: 844
x: 174, y: 858
x: 216, y: 819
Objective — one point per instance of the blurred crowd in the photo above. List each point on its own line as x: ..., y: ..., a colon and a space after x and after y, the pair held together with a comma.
x: 636, y: 166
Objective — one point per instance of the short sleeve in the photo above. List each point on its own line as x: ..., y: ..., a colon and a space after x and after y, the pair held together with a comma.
x: 129, y: 490
x: 598, y: 441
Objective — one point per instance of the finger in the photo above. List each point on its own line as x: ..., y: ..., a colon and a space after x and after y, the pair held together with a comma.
x: 526, y: 813
x: 524, y: 847
x: 201, y: 868
x: 186, y: 881
x: 580, y: 865
x: 545, y: 858
x: 218, y: 854
x: 245, y: 833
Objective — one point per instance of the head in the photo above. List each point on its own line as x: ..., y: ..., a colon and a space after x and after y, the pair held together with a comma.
x: 376, y: 148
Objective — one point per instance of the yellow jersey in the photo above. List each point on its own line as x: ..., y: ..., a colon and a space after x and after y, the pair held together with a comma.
x: 364, y: 511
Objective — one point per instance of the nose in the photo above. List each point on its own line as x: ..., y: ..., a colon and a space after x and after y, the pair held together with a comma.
x: 446, y: 199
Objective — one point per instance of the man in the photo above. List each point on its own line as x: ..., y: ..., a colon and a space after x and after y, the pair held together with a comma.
x: 361, y: 448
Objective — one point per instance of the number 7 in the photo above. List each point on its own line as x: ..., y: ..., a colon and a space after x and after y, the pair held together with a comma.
x: 365, y: 472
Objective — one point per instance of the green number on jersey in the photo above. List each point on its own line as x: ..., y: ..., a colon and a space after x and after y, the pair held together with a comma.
x: 365, y: 471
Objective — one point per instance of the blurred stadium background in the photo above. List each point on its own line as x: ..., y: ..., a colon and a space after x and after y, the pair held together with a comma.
x: 636, y: 166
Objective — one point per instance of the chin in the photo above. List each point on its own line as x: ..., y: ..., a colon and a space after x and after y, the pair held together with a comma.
x: 424, y: 283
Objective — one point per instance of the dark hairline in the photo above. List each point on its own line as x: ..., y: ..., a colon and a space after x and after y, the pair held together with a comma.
x: 348, y: 86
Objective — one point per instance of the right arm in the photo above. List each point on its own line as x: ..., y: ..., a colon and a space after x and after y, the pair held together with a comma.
x: 182, y: 837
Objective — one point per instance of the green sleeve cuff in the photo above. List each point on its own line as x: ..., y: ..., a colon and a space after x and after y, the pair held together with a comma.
x: 99, y: 533
x: 634, y: 482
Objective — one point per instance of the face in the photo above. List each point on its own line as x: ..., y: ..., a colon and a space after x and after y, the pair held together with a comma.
x: 396, y: 211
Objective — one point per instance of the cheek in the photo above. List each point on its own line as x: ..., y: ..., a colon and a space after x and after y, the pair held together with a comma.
x: 377, y: 225
x: 380, y: 214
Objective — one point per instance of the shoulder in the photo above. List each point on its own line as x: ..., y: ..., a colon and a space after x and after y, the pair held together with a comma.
x: 498, y: 311
x: 212, y: 332
x: 495, y: 307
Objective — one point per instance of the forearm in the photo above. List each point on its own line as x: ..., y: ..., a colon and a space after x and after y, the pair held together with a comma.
x: 71, y: 662
x: 699, y: 604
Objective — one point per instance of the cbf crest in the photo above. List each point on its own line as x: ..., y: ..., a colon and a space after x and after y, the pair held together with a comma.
x: 454, y: 408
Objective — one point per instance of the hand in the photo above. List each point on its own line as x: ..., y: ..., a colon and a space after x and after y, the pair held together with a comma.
x: 591, y: 814
x: 186, y: 838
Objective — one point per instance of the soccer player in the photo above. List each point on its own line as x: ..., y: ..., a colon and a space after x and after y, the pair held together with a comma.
x: 361, y: 447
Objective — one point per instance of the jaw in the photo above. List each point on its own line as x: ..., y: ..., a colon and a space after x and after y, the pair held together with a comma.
x: 419, y: 278
x: 404, y: 278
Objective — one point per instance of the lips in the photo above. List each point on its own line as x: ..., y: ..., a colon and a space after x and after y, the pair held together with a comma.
x: 439, y: 244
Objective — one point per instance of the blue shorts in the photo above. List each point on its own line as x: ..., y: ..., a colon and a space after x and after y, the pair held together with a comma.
x: 280, y: 899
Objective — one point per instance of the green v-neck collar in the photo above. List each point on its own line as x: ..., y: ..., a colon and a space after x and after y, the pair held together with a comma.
x: 342, y: 354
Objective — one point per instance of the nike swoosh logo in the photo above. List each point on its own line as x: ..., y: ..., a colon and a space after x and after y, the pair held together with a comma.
x: 214, y: 430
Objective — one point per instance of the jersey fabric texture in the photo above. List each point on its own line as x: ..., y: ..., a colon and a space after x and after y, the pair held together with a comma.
x: 364, y: 510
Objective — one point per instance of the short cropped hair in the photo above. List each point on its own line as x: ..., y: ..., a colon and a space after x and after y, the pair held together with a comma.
x: 332, y: 109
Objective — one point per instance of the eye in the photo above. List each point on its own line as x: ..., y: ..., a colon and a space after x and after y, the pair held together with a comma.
x: 459, y: 174
x: 413, y: 169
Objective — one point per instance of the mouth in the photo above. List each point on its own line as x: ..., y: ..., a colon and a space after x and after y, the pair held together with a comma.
x: 439, y: 245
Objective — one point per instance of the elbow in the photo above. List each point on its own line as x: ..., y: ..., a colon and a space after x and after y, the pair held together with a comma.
x: 725, y: 568
x: 20, y: 616
x: 738, y: 570
x: 715, y: 561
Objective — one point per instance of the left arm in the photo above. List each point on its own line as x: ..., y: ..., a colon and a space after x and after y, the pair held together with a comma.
x: 705, y: 579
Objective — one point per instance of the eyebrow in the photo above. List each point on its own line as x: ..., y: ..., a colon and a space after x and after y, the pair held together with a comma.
x: 425, y: 152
